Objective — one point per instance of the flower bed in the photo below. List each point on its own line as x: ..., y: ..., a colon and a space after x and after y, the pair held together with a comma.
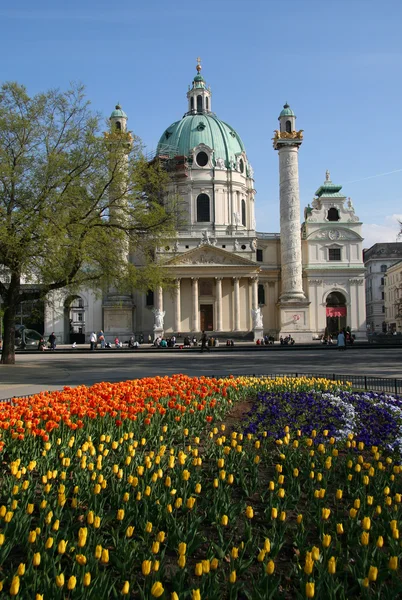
x: 137, y: 490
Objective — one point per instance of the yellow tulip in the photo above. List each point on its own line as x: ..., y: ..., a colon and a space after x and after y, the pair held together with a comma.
x: 15, y: 586
x: 148, y: 527
x: 309, y: 564
x: 157, y: 589
x: 87, y: 579
x: 104, y: 556
x: 364, y: 538
x: 274, y: 513
x: 393, y: 563
x: 21, y: 569
x: 71, y: 583
x: 366, y: 523
x: 120, y: 514
x: 373, y: 573
x: 61, y: 548
x: 232, y: 577
x: 2, y: 538
x: 30, y: 509
x: 125, y: 589
x: 235, y: 552
x: 195, y: 595
x: 36, y: 559
x: 32, y: 537
x: 129, y: 531
x: 214, y: 564
x: 174, y: 596
x: 380, y: 541
x: 270, y: 568
x: 146, y: 567
x: 310, y: 589
x: 181, y: 561
x: 325, y: 513
x: 82, y: 536
x: 60, y: 580
x: 224, y: 520
x: 249, y: 512
x: 198, y: 569
x: 81, y: 559
x: 339, y: 529
x: 182, y: 548
x: 97, y: 522
x: 332, y: 565
x: 155, y: 547
x: 315, y: 553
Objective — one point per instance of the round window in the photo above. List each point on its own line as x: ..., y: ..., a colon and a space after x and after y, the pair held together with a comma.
x: 241, y: 166
x: 202, y: 159
x: 167, y: 248
x: 243, y: 247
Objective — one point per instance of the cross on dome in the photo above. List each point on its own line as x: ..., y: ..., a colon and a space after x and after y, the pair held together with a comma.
x: 327, y: 175
x: 198, y: 67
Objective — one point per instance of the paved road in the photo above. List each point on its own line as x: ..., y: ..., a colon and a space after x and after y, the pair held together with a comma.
x: 37, y: 372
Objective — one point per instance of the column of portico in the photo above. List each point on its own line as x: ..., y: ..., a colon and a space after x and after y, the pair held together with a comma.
x: 236, y: 284
x: 218, y: 291
x: 195, y: 310
x: 177, y: 307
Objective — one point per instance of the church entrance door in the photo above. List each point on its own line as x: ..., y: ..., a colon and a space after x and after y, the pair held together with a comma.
x: 336, y: 313
x: 207, y: 317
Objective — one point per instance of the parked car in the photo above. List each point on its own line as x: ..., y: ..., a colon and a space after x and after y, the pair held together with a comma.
x: 26, y: 338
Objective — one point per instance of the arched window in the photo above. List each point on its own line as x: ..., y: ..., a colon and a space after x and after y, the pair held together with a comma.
x: 199, y: 104
x: 192, y: 103
x: 333, y: 214
x: 261, y: 294
x: 118, y: 125
x: 288, y: 126
x: 149, y: 298
x: 203, y: 212
x: 243, y: 212
x: 383, y: 268
x: 207, y: 103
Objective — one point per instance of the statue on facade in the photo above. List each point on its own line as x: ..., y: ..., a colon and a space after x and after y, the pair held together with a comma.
x: 159, y: 316
x: 257, y: 318
x: 176, y: 246
x: 205, y: 239
x: 220, y: 163
x: 250, y: 171
x: 235, y: 245
x: 236, y: 218
x: 253, y: 245
x: 350, y: 205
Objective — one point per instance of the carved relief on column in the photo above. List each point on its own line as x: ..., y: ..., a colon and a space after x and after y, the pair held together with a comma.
x: 236, y: 308
x: 159, y: 298
x: 218, y: 291
x: 195, y: 308
x: 291, y: 261
x: 177, y: 306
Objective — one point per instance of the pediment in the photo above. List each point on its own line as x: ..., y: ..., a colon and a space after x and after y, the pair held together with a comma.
x: 332, y: 234
x: 209, y: 255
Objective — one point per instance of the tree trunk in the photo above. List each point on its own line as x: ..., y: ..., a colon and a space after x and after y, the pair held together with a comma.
x: 10, y: 305
x: 8, y: 350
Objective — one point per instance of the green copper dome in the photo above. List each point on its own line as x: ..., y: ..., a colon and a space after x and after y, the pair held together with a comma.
x: 118, y: 112
x: 287, y: 111
x: 181, y: 137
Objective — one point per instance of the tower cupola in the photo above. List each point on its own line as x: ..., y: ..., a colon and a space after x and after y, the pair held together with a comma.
x: 287, y: 119
x: 199, y: 95
x: 118, y: 119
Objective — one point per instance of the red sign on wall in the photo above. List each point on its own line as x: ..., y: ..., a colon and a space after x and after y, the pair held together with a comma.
x: 336, y: 311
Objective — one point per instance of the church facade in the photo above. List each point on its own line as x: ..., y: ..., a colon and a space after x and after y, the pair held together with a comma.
x: 229, y: 279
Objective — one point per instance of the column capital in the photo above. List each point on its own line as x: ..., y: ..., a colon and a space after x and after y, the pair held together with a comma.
x: 219, y: 278
x: 236, y: 278
x: 194, y: 279
x: 254, y: 277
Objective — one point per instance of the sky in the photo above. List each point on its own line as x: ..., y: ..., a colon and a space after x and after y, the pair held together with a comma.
x: 336, y: 62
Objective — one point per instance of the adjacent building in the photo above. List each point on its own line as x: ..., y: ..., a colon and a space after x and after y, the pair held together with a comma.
x: 377, y: 260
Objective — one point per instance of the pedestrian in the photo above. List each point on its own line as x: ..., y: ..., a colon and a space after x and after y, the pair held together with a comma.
x: 52, y: 341
x: 204, y: 342
x: 117, y: 342
x: 92, y: 340
x: 101, y: 338
x: 341, y: 341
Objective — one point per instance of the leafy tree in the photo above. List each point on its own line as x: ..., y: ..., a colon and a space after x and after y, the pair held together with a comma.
x: 73, y: 202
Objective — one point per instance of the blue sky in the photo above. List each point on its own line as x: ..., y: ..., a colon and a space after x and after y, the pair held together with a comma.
x: 337, y: 62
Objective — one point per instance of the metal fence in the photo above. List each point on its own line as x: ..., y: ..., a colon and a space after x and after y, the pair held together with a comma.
x: 359, y: 382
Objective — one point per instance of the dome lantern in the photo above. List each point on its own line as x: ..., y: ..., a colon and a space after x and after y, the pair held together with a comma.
x: 199, y: 95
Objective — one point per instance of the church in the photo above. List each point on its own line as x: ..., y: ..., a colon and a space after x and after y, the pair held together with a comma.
x: 231, y: 280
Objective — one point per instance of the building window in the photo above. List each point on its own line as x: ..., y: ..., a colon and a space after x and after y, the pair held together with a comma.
x: 202, y: 159
x: 118, y: 125
x: 259, y: 255
x: 199, y: 104
x: 207, y: 103
x: 382, y: 295
x: 149, y: 301
x: 261, y: 294
x: 192, y: 103
x: 333, y: 214
x: 334, y: 254
x: 382, y: 280
x: 241, y: 165
x: 203, y: 214
x: 383, y: 268
x: 243, y: 212
x: 288, y: 126
x: 80, y: 317
x: 383, y: 309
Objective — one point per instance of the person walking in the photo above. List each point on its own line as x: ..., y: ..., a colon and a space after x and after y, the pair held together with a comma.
x: 92, y: 340
x: 341, y: 341
x: 204, y: 342
x: 101, y: 339
x: 52, y: 341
